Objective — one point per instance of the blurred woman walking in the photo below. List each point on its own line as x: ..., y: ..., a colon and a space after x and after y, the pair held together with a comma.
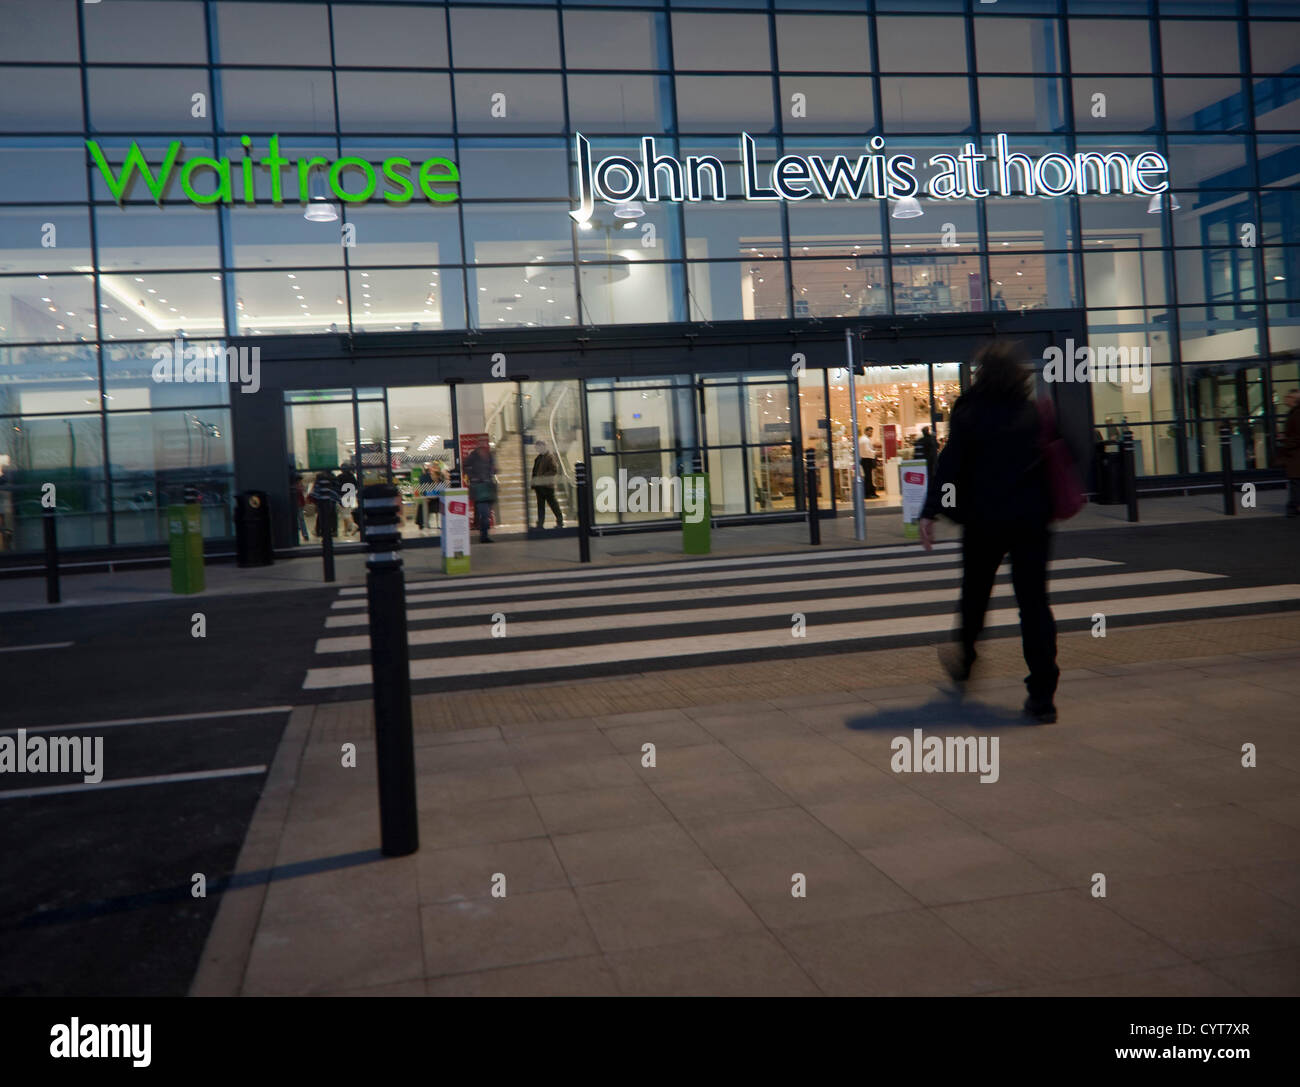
x: 994, y: 477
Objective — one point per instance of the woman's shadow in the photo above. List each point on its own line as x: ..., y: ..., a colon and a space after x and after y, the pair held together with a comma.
x: 951, y: 709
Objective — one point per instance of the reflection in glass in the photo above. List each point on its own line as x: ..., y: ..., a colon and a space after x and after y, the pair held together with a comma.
x: 46, y: 309
x: 839, y: 287
x: 406, y: 300
x: 533, y: 296
x: 737, y: 290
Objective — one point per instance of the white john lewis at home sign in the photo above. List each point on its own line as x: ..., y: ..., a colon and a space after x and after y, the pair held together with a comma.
x: 619, y: 179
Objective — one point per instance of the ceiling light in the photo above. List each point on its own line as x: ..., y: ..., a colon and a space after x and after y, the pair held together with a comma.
x: 907, y: 208
x: 321, y: 210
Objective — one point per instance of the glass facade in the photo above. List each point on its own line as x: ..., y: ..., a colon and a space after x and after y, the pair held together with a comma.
x: 93, y: 287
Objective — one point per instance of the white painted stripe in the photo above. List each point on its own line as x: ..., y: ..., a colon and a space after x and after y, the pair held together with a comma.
x: 583, y: 589
x: 43, y: 645
x: 883, y: 629
x: 933, y: 576
x: 130, y: 783
x: 153, y: 720
x: 778, y: 612
x: 666, y: 566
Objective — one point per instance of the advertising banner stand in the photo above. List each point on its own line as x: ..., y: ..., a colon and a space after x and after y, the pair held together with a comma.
x: 913, y: 480
x: 696, y: 534
x: 185, y: 542
x: 455, y: 531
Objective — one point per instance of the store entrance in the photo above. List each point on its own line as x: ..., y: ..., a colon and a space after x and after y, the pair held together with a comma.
x: 899, y: 404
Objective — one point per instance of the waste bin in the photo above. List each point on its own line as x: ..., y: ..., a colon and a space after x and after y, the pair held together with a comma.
x: 1110, y: 474
x: 253, y: 529
x: 185, y: 542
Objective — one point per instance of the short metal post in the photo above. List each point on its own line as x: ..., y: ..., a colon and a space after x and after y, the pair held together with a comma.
x: 814, y: 519
x: 330, y: 511
x: 1130, y: 474
x: 390, y: 670
x: 51, y: 558
x: 1225, y: 460
x: 583, y: 487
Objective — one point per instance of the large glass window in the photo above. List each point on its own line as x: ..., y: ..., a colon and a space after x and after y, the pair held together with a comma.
x: 921, y: 44
x: 482, y: 38
x: 261, y: 33
x: 696, y: 38
x: 40, y: 100
x: 1018, y: 45
x: 140, y: 31
x: 393, y: 36
x: 36, y: 30
x: 615, y: 40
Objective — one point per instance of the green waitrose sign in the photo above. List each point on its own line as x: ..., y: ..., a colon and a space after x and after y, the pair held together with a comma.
x: 400, y: 176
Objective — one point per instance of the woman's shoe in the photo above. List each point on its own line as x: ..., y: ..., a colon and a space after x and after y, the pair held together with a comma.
x: 1043, y: 713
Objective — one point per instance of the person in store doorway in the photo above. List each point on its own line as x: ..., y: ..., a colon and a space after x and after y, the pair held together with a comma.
x: 300, y: 506
x: 992, y: 479
x: 349, y: 501
x: 480, y: 474
x: 867, y: 455
x: 926, y: 448
x: 424, y: 492
x: 546, y: 473
x: 1289, y: 450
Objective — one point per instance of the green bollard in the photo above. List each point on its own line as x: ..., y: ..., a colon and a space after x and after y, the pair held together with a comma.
x: 185, y: 539
x: 696, y: 513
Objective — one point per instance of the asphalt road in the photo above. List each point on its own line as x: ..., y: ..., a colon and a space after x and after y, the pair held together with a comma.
x: 97, y: 896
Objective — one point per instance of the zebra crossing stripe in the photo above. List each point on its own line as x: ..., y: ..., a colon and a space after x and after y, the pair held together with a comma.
x: 775, y: 611
x: 705, y: 592
x: 668, y: 566
x: 562, y: 657
x: 521, y: 587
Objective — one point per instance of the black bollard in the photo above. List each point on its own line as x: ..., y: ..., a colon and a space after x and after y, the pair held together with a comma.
x: 584, y: 511
x: 390, y: 670
x: 325, y: 494
x: 51, y: 558
x: 814, y: 519
x: 1128, y: 453
x: 328, y: 511
x: 1225, y: 460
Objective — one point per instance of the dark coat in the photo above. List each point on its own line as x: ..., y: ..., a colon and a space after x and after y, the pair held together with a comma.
x: 994, y: 458
x: 1289, y: 447
x: 546, y: 470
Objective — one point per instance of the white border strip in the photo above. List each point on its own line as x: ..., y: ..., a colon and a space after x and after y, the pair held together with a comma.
x: 43, y: 645
x: 127, y: 783
x: 154, y: 720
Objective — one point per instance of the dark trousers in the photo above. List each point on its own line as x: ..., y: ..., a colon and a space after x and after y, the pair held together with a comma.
x: 983, y: 549
x: 546, y: 497
x: 869, y: 476
x: 483, y: 515
x: 1293, y: 497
